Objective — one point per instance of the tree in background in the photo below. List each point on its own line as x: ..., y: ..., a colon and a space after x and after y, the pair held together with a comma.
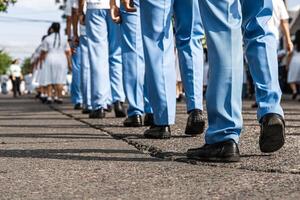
x: 26, y: 67
x: 5, y: 3
x: 5, y: 62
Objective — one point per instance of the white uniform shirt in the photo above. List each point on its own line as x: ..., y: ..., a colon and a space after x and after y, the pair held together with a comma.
x: 51, y: 45
x: 15, y: 70
x: 98, y: 4
x: 279, y: 13
x: 68, y: 9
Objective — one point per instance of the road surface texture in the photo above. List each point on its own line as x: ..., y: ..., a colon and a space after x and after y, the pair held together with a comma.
x: 55, y: 152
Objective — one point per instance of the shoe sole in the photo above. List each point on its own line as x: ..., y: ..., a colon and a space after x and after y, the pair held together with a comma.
x: 272, y: 138
x: 228, y: 159
x: 195, y: 130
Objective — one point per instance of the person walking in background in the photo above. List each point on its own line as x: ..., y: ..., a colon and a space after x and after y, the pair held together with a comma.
x: 15, y: 74
x: 56, y: 54
x: 293, y: 66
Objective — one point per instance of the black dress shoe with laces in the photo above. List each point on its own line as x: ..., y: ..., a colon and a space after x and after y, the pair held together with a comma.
x: 149, y: 119
x: 78, y: 106
x: 195, y: 123
x: 119, y: 109
x: 227, y: 151
x: 133, y: 121
x: 272, y: 133
x: 97, y: 114
x: 86, y: 111
x: 158, y: 132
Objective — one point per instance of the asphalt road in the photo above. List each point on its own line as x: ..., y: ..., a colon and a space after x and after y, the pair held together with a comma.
x: 54, y: 152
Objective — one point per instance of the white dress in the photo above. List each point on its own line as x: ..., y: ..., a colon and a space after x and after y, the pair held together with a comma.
x: 294, y: 68
x: 56, y: 63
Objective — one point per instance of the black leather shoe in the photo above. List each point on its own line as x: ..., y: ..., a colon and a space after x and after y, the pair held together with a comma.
x: 255, y: 105
x: 97, y: 114
x: 133, y: 121
x: 149, y: 119
x: 272, y: 133
x: 108, y: 109
x: 195, y: 123
x: 158, y: 132
x: 119, y: 109
x: 86, y: 111
x: 227, y: 151
x: 78, y: 106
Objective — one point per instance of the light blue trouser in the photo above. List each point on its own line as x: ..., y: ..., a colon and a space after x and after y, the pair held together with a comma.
x: 133, y: 63
x: 76, y: 95
x: 261, y: 51
x: 105, y: 58
x: 222, y: 23
x: 159, y: 58
x: 188, y: 42
x: 85, y: 73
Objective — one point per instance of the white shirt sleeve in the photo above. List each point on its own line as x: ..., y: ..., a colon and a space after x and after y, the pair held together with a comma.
x: 284, y: 15
x: 45, y: 45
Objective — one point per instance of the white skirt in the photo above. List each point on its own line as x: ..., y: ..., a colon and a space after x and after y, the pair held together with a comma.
x: 43, y: 78
x: 294, y: 69
x: 56, y: 68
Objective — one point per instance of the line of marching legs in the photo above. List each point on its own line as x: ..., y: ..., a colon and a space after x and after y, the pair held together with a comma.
x: 126, y: 52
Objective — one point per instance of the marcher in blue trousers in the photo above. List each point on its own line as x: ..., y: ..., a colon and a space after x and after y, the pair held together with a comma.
x: 85, y: 75
x: 133, y: 65
x: 156, y: 18
x: 223, y: 30
x: 76, y: 95
x: 190, y: 51
x: 105, y: 61
x: 261, y: 51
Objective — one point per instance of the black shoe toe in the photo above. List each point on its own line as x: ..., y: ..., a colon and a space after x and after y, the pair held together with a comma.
x: 158, y: 132
x: 120, y: 110
x: 195, y: 123
x: 272, y: 134
x: 133, y: 121
x: 97, y: 114
x: 149, y: 119
x: 227, y: 151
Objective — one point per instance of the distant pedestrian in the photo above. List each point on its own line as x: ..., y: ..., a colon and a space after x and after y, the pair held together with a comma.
x: 16, y: 77
x: 56, y: 53
x: 294, y: 66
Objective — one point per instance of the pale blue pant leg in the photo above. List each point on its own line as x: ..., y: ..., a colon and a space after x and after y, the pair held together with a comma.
x: 190, y: 50
x: 147, y: 106
x: 224, y: 94
x: 159, y: 58
x: 115, y: 60
x: 96, y: 27
x: 85, y: 73
x: 261, y: 52
x: 76, y: 95
x: 133, y: 61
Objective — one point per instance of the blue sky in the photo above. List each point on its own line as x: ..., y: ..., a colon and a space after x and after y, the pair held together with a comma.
x: 18, y: 36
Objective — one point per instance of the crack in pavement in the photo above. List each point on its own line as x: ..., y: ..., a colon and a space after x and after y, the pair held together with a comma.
x: 156, y: 152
